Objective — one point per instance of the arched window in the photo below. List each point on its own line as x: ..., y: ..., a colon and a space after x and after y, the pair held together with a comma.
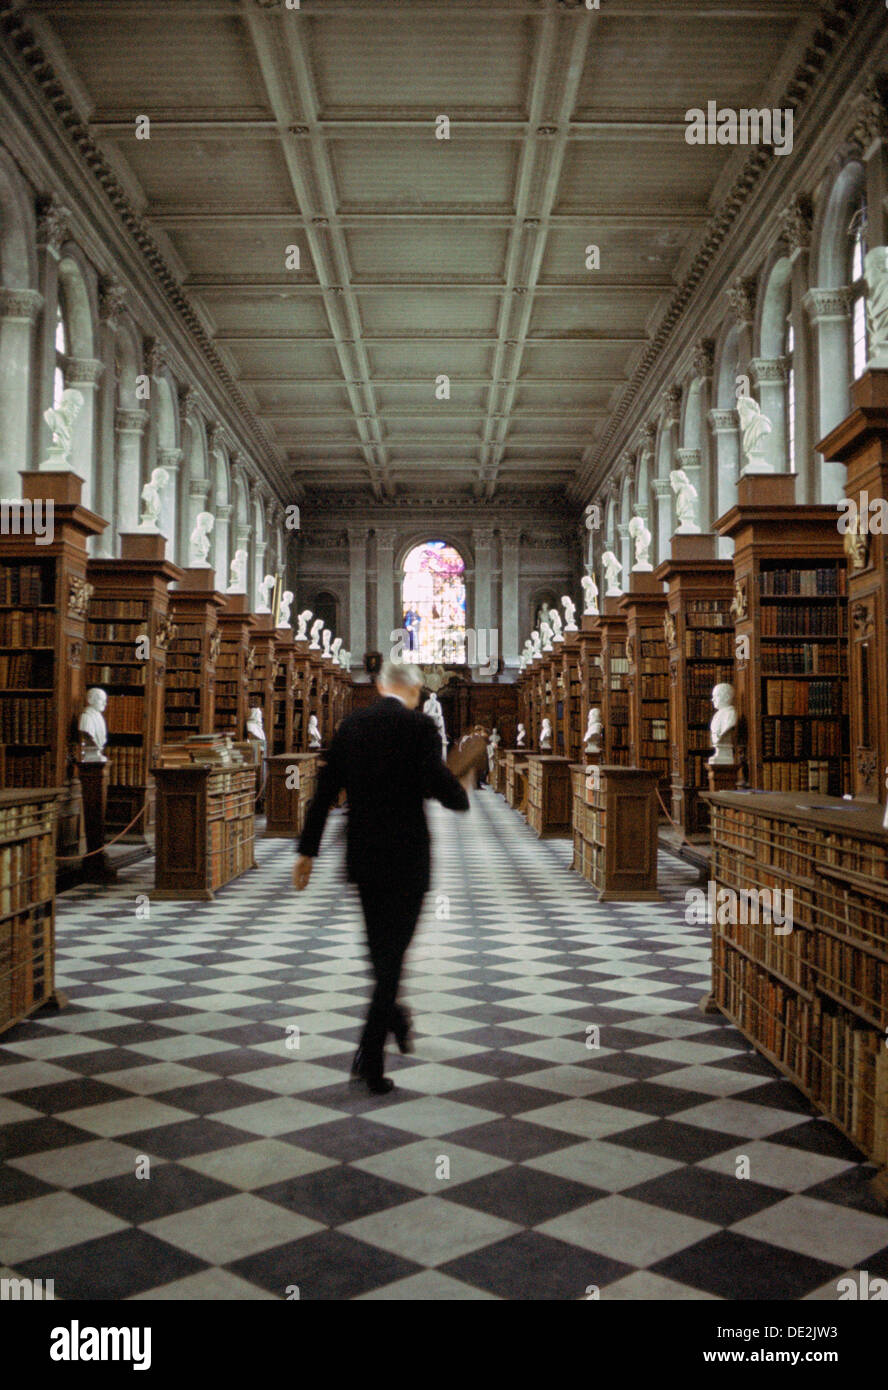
x: 857, y: 235
x: 434, y: 603
x: 790, y: 395
x: 62, y: 351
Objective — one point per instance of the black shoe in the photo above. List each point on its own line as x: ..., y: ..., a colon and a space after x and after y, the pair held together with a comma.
x: 376, y: 1083
x: 403, y: 1032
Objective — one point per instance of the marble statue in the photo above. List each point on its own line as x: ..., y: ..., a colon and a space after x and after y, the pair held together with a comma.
x: 152, y: 499
x: 639, y: 532
x: 723, y: 723
x: 92, y: 725
x: 60, y: 419
x: 536, y: 649
x: 334, y: 650
x: 685, y: 502
x: 432, y: 708
x: 875, y: 269
x: 255, y: 725
x: 314, y: 733
x: 594, y: 730
x: 286, y: 605
x: 304, y: 619
x: 755, y: 426
x: 346, y: 660
x: 570, y: 613
x: 590, y: 596
x: 238, y: 573
x: 266, y: 589
x: 315, y: 645
x: 612, y: 568
x: 546, y: 636
x: 493, y: 744
x: 546, y: 736
x: 555, y: 621
x: 520, y: 736
x: 199, y: 544
x: 325, y: 639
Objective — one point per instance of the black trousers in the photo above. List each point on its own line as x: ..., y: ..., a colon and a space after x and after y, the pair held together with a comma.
x: 390, y: 915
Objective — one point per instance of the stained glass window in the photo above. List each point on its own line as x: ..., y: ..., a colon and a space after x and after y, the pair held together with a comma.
x: 434, y: 603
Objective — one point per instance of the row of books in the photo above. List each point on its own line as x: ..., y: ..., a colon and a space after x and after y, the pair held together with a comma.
x: 804, y: 697
x: 866, y: 857
x: 794, y: 620
x: 653, y: 647
x: 29, y: 816
x: 185, y: 645
x: 27, y: 629
x: 117, y: 631
x: 26, y: 720
x: 858, y: 977
x: 127, y: 765
x: 125, y: 714
x: 18, y: 769
x: 786, y: 953
x: 219, y: 749
x: 810, y: 737
x: 803, y: 583
x: 708, y: 645
x: 181, y: 680
x: 656, y: 729
x: 115, y: 675
x: 26, y: 961
x: 655, y: 687
x: 848, y: 1077
x: 813, y: 775
x: 118, y: 608
x: 27, y: 873
x: 26, y: 670
x: 182, y: 719
x: 124, y: 650
x: 26, y: 584
x: 774, y: 1015
x: 803, y: 659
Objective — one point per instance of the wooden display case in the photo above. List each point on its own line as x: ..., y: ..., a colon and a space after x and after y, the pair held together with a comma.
x: 548, y: 795
x: 614, y: 684
x: 615, y: 832
x: 516, y: 778
x: 292, y: 778
x: 189, y: 699
x: 790, y: 608
x: 27, y: 903
x: 129, y: 631
x: 648, y: 679
x: 861, y: 443
x: 699, y: 633
x: 234, y: 665
x: 205, y: 829
x: 812, y: 998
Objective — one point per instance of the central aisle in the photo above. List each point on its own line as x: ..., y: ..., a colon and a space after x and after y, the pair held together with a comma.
x: 513, y: 1160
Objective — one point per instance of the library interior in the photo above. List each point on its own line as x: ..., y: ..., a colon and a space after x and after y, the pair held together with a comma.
x: 587, y: 425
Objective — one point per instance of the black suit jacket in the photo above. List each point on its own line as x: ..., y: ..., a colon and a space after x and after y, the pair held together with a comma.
x: 388, y: 759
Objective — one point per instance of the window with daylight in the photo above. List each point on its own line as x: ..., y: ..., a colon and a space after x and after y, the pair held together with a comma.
x: 790, y: 397
x: 434, y: 603
x: 857, y: 233
x: 61, y: 355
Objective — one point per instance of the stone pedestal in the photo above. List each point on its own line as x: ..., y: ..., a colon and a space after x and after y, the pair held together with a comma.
x: 94, y: 777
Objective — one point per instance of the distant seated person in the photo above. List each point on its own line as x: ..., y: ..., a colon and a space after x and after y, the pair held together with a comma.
x: 468, y: 761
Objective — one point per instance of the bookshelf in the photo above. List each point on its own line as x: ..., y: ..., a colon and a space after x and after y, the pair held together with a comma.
x: 861, y: 443
x: 548, y: 795
x: 44, y: 593
x: 699, y: 634
x: 27, y: 903
x: 292, y: 778
x: 281, y: 735
x: 648, y: 680
x: 614, y: 685
x: 129, y: 604
x: 260, y: 677
x: 300, y: 681
x: 791, y: 629
x: 814, y: 1000
x: 516, y: 778
x: 590, y: 675
x: 205, y: 829
x: 189, y: 696
x: 234, y: 665
x: 614, y: 824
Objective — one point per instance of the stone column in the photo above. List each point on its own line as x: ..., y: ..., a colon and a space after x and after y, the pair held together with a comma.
x: 243, y: 536
x: 830, y: 312
x: 625, y: 553
x: 221, y: 539
x: 261, y: 548
x: 797, y: 221
x: 18, y: 312
x: 510, y: 542
x: 357, y: 593
x: 83, y: 375
x: 664, y: 523
x: 130, y: 428
x: 726, y: 432
x: 52, y: 233
x: 769, y: 377
x: 385, y: 584
x: 171, y: 460
x: 691, y: 461
x: 485, y: 641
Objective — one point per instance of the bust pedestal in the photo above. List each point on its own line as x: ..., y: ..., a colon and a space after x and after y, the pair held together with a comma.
x: 94, y: 776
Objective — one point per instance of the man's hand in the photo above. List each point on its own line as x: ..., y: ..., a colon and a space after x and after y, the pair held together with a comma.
x: 302, y: 872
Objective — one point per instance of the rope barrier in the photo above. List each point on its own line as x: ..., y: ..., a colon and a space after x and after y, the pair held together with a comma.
x: 78, y: 858
x: 675, y: 824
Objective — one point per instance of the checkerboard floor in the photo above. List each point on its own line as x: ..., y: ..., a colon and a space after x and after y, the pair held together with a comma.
x: 186, y: 1130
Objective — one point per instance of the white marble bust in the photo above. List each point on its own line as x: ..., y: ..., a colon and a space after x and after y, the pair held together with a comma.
x: 570, y: 613
x: 612, y: 568
x: 555, y: 623
x: 536, y: 649
x: 266, y: 588
x: 256, y: 725
x: 60, y: 419
x: 640, y: 534
x: 590, y: 596
x: 546, y: 736
x: 594, y: 729
x: 315, y: 644
x: 755, y: 425
x: 199, y: 544
x: 304, y: 619
x: 334, y: 649
x: 685, y: 502
x: 546, y: 637
x: 520, y: 736
x: 286, y: 605
x: 92, y: 725
x: 723, y: 723
x: 314, y: 733
x: 238, y: 573
x: 325, y: 639
x: 152, y: 499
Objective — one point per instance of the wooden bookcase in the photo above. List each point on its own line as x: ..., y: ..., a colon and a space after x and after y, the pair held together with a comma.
x: 27, y: 903
x: 548, y: 795
x: 814, y: 999
x: 281, y: 730
x: 44, y: 593
x: 292, y: 779
x: 234, y: 664
x: 861, y: 443
x: 300, y: 686
x: 699, y: 633
x: 205, y: 829
x: 590, y: 675
x: 648, y: 680
x: 189, y: 700
x: 128, y: 634
x: 570, y: 696
x: 614, y: 685
x: 260, y: 676
x: 791, y: 609
x: 516, y: 778
x: 614, y: 821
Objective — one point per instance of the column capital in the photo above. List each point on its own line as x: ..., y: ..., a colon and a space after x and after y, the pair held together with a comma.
x: 112, y: 300
x: 509, y: 533
x: 482, y: 536
x: 825, y: 304
x: 385, y: 537
x: 224, y: 511
x: 767, y: 370
x: 871, y: 113
x: 20, y: 304
x: 689, y: 458
x: 671, y: 403
x: 187, y: 402
x: 155, y: 355
x: 83, y: 371
x: 130, y: 421
x: 661, y: 487
x: 357, y: 535
x: 169, y: 458
x: 797, y: 222
x: 243, y: 534
x: 704, y: 357
x: 199, y: 487
x: 741, y: 299
x: 724, y: 421
x: 53, y: 223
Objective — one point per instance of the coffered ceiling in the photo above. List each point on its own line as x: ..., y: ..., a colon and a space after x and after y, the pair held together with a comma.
x: 420, y: 257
